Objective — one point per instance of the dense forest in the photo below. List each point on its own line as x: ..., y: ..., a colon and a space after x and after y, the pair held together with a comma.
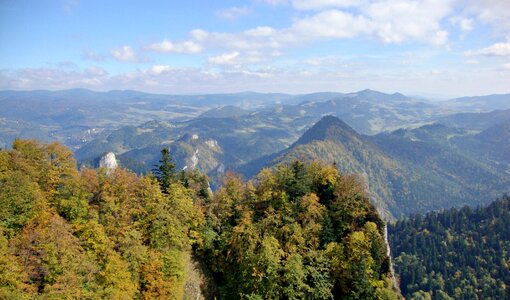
x: 301, y: 231
x: 298, y: 231
x: 458, y: 253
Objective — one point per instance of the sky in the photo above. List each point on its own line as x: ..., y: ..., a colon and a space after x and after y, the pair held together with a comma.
x: 432, y: 48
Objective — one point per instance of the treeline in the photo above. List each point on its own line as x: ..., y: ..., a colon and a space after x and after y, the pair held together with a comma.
x: 455, y: 254
x: 300, y: 231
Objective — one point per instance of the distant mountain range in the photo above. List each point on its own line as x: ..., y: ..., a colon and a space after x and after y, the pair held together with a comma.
x: 482, y: 103
x: 244, y: 135
x: 75, y: 117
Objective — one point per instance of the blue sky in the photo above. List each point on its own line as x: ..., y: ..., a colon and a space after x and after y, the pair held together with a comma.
x: 435, y: 48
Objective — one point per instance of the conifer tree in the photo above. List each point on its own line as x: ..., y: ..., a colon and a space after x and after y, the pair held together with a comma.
x: 165, y: 171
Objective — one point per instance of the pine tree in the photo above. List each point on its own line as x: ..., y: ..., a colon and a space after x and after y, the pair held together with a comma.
x: 165, y: 171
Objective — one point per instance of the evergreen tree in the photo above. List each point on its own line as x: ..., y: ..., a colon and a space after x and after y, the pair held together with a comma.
x: 458, y: 253
x: 165, y: 171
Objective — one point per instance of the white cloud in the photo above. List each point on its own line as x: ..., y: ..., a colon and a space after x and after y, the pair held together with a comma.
x: 391, y: 21
x: 465, y: 24
x: 224, y: 59
x: 329, y: 24
x: 322, y: 61
x: 394, y: 21
x: 233, y: 13
x: 262, y: 37
x: 261, y: 31
x: 399, y: 20
x: 493, y: 12
x: 497, y: 49
x: 166, y: 46
x: 124, y: 53
x: 158, y: 69
x: 256, y: 74
x: 315, y: 4
x: 274, y: 2
x: 166, y: 79
x: 237, y: 58
x: 95, y: 71
x: 506, y: 66
x: 322, y: 4
x: 52, y: 78
x: 496, y: 14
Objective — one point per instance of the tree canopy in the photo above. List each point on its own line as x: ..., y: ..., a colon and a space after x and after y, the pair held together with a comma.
x: 71, y: 234
x: 458, y: 253
x: 299, y: 231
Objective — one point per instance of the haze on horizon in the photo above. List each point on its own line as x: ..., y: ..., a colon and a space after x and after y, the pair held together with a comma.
x: 438, y: 48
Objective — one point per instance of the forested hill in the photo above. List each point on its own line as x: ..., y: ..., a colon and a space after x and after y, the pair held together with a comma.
x: 459, y: 253
x: 299, y: 231
x: 406, y: 171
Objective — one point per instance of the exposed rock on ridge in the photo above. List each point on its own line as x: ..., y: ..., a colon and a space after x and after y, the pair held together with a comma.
x: 109, y: 162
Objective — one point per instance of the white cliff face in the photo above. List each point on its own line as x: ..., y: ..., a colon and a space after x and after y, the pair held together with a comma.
x: 109, y: 162
x: 194, y: 160
x: 213, y: 144
x: 388, y: 252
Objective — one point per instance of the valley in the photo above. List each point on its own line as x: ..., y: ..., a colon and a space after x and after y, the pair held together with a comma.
x: 76, y: 117
x: 413, y: 155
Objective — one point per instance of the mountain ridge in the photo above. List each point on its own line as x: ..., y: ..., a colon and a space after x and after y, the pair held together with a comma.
x: 399, y: 185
